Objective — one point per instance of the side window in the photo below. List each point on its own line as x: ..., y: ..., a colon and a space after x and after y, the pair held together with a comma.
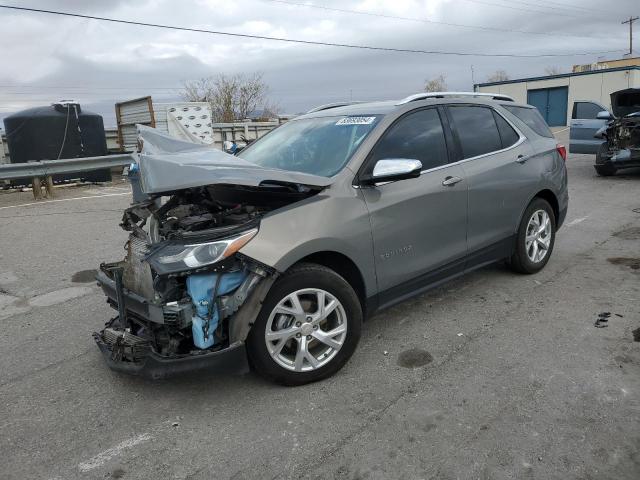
x: 507, y: 134
x: 418, y: 136
x: 531, y: 117
x: 477, y: 130
x: 585, y: 110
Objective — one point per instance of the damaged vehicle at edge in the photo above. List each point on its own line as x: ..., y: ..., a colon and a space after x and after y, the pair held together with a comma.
x: 273, y: 257
x: 621, y: 148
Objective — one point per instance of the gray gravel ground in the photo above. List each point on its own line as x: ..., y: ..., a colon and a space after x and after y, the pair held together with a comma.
x: 518, y: 383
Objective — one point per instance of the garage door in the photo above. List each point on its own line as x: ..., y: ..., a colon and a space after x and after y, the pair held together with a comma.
x: 552, y: 104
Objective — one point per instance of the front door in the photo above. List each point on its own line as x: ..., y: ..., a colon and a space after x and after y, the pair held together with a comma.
x: 584, y: 126
x: 419, y: 224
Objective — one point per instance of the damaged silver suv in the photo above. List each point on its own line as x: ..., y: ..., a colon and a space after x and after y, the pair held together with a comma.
x: 277, y: 254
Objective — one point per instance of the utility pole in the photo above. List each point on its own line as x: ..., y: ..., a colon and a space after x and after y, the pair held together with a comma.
x: 473, y: 80
x: 630, y: 22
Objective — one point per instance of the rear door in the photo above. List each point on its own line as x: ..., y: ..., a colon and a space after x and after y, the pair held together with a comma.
x: 583, y: 127
x: 419, y: 224
x: 500, y: 179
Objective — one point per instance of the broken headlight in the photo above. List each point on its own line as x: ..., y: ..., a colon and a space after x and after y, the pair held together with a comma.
x: 178, y: 257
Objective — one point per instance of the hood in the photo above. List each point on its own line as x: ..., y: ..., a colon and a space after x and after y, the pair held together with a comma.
x: 625, y: 102
x: 167, y: 164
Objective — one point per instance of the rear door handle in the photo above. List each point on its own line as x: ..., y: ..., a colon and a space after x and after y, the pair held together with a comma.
x: 522, y: 159
x: 451, y: 181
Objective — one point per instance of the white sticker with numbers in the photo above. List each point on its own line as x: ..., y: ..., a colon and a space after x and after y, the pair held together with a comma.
x: 356, y: 121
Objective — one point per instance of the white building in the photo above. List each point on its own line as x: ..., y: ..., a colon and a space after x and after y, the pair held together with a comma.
x: 555, y: 95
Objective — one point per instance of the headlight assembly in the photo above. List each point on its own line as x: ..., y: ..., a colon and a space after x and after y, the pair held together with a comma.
x: 174, y: 257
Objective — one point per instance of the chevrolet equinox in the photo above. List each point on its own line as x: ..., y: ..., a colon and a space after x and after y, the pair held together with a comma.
x: 277, y: 254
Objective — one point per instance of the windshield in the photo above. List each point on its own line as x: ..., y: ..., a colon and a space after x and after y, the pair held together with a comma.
x: 319, y: 146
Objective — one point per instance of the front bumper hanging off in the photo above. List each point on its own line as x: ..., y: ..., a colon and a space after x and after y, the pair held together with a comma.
x: 232, y: 359
x: 151, y: 364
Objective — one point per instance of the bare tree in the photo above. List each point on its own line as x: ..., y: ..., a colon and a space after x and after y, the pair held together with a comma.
x: 232, y: 97
x: 270, y: 110
x: 252, y: 93
x: 437, y: 84
x: 224, y: 98
x: 552, y: 70
x: 498, y: 76
x: 197, y: 90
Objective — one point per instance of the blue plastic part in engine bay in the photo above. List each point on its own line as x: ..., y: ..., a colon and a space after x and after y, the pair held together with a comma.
x: 202, y: 288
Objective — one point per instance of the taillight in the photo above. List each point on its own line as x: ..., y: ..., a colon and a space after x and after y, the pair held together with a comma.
x: 562, y: 150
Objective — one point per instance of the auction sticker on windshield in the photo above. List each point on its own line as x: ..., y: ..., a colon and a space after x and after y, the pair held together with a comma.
x: 356, y: 121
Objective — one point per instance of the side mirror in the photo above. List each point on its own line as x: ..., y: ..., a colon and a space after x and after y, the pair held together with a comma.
x: 392, y: 169
x: 603, y: 115
x: 229, y: 147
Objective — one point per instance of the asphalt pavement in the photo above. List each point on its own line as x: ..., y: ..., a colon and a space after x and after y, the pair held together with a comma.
x: 492, y: 376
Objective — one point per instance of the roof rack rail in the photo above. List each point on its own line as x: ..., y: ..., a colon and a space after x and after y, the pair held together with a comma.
x: 426, y: 95
x: 329, y: 106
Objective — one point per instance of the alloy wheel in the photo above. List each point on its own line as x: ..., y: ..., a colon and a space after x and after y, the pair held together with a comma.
x: 306, y: 330
x: 538, y: 236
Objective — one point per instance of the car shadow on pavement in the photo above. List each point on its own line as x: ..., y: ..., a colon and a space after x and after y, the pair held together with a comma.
x: 382, y: 325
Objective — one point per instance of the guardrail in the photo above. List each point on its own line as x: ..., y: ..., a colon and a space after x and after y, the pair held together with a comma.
x: 45, y: 168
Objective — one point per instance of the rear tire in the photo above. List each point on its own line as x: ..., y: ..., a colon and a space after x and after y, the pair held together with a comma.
x: 294, y: 340
x: 535, y: 239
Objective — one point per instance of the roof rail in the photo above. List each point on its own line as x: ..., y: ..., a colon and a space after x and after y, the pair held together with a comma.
x: 426, y: 95
x: 331, y: 105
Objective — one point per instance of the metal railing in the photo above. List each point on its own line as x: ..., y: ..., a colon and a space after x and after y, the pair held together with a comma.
x: 39, y: 169
x: 43, y: 168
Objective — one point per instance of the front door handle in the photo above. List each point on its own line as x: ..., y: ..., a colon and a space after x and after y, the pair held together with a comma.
x: 451, y: 181
x: 522, y: 159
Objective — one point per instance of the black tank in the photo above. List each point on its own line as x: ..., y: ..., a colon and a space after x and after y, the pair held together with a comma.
x: 61, y: 130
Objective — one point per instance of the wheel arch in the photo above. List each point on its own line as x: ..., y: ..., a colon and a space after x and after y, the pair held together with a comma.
x: 550, y: 197
x: 343, y: 266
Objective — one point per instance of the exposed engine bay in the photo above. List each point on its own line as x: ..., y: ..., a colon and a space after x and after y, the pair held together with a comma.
x: 622, y: 148
x: 623, y: 138
x: 183, y: 289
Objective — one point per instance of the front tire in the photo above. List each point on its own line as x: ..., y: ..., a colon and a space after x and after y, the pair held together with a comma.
x: 602, y: 168
x: 605, y: 170
x: 535, y: 239
x: 308, y: 327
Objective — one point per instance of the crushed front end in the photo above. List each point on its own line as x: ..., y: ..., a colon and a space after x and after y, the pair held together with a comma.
x: 623, y: 142
x: 181, y: 284
x: 185, y: 294
x: 622, y: 134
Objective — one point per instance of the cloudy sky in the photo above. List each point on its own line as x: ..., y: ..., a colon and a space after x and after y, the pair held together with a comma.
x: 47, y: 57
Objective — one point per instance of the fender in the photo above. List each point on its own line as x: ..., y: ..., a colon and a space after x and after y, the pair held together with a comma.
x: 324, y: 223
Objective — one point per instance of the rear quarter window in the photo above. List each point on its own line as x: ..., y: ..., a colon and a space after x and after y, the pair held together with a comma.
x: 508, y: 135
x: 531, y: 118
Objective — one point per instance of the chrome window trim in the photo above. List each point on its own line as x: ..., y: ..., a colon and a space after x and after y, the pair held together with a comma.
x: 520, y: 141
